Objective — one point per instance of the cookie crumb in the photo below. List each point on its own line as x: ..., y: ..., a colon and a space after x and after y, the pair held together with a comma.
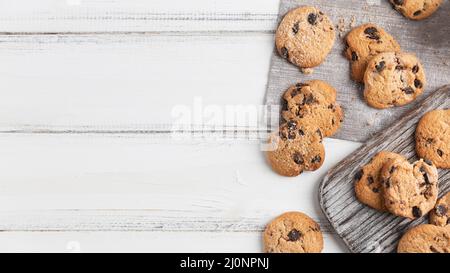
x: 307, y: 71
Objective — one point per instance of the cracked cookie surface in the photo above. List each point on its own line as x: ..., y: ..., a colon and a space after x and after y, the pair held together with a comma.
x: 393, y: 79
x: 314, y: 102
x: 293, y: 232
x: 305, y: 36
x: 296, y: 147
x: 425, y: 239
x: 416, y: 9
x: 440, y: 215
x: 364, y: 43
x: 409, y: 190
x: 368, y: 185
x: 433, y: 138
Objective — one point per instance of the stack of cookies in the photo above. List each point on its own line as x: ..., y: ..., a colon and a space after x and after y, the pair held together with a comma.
x: 390, y: 183
x: 310, y: 112
x: 391, y: 77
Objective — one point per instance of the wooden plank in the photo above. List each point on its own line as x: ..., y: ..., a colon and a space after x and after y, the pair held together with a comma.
x: 364, y: 229
x: 137, y: 16
x: 127, y: 82
x: 165, y: 242
x: 424, y: 38
x: 104, y: 183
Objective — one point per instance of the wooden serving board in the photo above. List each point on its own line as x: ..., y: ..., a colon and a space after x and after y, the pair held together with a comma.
x: 428, y: 39
x: 364, y: 229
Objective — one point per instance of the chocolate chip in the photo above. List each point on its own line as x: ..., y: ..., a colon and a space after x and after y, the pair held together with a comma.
x: 309, y: 99
x: 284, y: 53
x: 320, y: 134
x: 298, y: 159
x: 295, y: 28
x: 359, y: 175
x: 430, y: 140
x: 312, y: 18
x: 380, y: 67
x: 387, y: 183
x: 415, y: 69
x: 301, y: 132
x: 417, y: 13
x: 440, y: 152
x: 441, y: 210
x: 300, y: 85
x: 408, y: 90
x: 392, y: 170
x: 283, y: 135
x: 416, y: 212
x: 372, y: 33
x: 291, y: 135
x: 370, y: 180
x: 291, y: 124
x: 417, y: 83
x: 376, y: 190
x: 399, y: 67
x: 425, y: 177
x: 333, y: 122
x: 354, y: 56
x: 294, y: 235
x: 398, y: 2
x: 434, y: 250
x: 316, y: 159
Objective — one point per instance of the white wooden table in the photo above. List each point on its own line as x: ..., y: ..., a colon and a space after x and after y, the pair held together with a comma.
x: 87, y: 89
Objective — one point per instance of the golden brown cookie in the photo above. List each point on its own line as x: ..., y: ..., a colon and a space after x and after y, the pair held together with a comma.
x: 305, y: 36
x: 393, y: 79
x: 425, y: 239
x: 409, y: 190
x: 297, y: 147
x: 314, y: 102
x: 364, y: 43
x: 440, y: 215
x: 368, y: 185
x: 433, y: 138
x: 293, y: 232
x: 417, y: 9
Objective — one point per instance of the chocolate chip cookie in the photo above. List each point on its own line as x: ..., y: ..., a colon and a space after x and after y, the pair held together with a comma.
x: 425, y: 239
x: 416, y: 9
x: 393, y: 79
x: 409, y: 190
x: 368, y: 185
x: 440, y: 215
x: 305, y: 36
x: 433, y: 138
x: 314, y: 102
x: 364, y: 43
x: 297, y: 147
x: 293, y: 232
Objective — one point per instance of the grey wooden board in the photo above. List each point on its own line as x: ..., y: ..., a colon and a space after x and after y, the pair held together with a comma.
x: 428, y: 39
x: 364, y: 229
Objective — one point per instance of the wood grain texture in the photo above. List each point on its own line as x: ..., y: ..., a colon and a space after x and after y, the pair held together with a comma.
x: 364, y: 229
x: 428, y: 39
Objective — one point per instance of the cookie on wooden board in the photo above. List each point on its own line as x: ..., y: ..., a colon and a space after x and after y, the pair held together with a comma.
x: 293, y: 232
x: 393, y: 79
x: 364, y: 43
x: 314, y: 102
x: 409, y: 190
x: 440, y: 215
x: 297, y: 147
x: 417, y: 9
x: 305, y: 37
x: 368, y: 184
x: 425, y: 239
x: 433, y: 138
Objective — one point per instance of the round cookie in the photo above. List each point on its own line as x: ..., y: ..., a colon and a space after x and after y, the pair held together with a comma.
x: 425, y: 239
x: 368, y: 185
x: 314, y: 102
x: 297, y: 147
x: 409, y: 190
x: 364, y: 43
x: 433, y: 138
x: 305, y: 36
x: 416, y: 9
x: 293, y: 232
x: 440, y: 215
x: 393, y: 79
